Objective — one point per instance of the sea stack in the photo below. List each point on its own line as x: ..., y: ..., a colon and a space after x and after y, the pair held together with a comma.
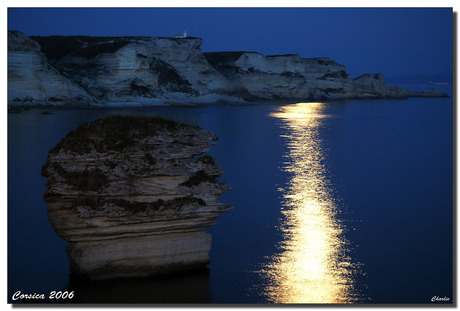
x: 133, y: 196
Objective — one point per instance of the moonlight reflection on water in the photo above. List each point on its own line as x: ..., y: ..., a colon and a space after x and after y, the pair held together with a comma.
x: 378, y: 159
x: 313, y: 265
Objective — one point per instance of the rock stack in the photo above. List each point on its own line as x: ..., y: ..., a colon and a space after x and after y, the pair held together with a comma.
x: 133, y: 195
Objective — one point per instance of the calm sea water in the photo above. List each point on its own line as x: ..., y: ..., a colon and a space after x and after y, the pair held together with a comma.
x: 337, y: 202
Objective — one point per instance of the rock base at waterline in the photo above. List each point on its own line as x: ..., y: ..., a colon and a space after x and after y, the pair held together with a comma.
x: 141, y: 256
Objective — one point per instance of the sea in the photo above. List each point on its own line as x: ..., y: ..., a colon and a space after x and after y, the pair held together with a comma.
x: 334, y: 202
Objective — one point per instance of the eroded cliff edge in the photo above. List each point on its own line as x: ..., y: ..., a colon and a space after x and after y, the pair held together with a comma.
x: 76, y: 70
x: 32, y: 80
x: 133, y: 196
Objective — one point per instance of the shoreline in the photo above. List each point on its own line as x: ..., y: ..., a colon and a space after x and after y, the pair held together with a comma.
x: 166, y: 105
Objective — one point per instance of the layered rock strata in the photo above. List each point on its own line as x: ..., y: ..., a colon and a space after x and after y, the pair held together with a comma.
x: 135, y: 68
x: 31, y: 80
x: 133, y: 196
x: 283, y: 76
x: 137, y: 71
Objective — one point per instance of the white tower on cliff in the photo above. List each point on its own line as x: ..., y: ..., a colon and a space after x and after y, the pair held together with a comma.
x: 183, y: 35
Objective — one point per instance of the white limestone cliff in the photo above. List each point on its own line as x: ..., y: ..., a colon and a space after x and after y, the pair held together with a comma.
x: 283, y: 76
x: 32, y: 81
x: 138, y: 71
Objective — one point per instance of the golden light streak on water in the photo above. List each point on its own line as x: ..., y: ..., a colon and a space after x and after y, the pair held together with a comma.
x: 312, y: 266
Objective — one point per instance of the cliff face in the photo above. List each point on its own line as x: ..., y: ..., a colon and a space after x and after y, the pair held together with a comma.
x: 135, y: 68
x: 133, y: 196
x: 152, y: 71
x: 283, y: 76
x: 373, y: 86
x: 31, y: 80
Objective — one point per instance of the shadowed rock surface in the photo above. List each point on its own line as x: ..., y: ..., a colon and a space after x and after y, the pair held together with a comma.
x: 133, y: 195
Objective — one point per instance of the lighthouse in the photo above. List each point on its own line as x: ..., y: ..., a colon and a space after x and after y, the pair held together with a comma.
x: 183, y: 35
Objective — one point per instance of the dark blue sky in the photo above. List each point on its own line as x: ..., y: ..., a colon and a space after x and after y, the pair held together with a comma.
x: 395, y: 42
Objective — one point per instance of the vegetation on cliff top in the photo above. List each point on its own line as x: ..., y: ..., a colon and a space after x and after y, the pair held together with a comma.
x: 215, y: 58
x: 56, y: 47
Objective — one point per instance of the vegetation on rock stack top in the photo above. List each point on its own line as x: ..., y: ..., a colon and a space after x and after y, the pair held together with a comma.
x: 115, y: 133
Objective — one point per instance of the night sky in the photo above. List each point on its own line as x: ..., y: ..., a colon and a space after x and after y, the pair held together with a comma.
x: 394, y: 41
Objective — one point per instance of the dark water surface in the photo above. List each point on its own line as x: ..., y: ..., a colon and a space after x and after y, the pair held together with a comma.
x: 346, y: 202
